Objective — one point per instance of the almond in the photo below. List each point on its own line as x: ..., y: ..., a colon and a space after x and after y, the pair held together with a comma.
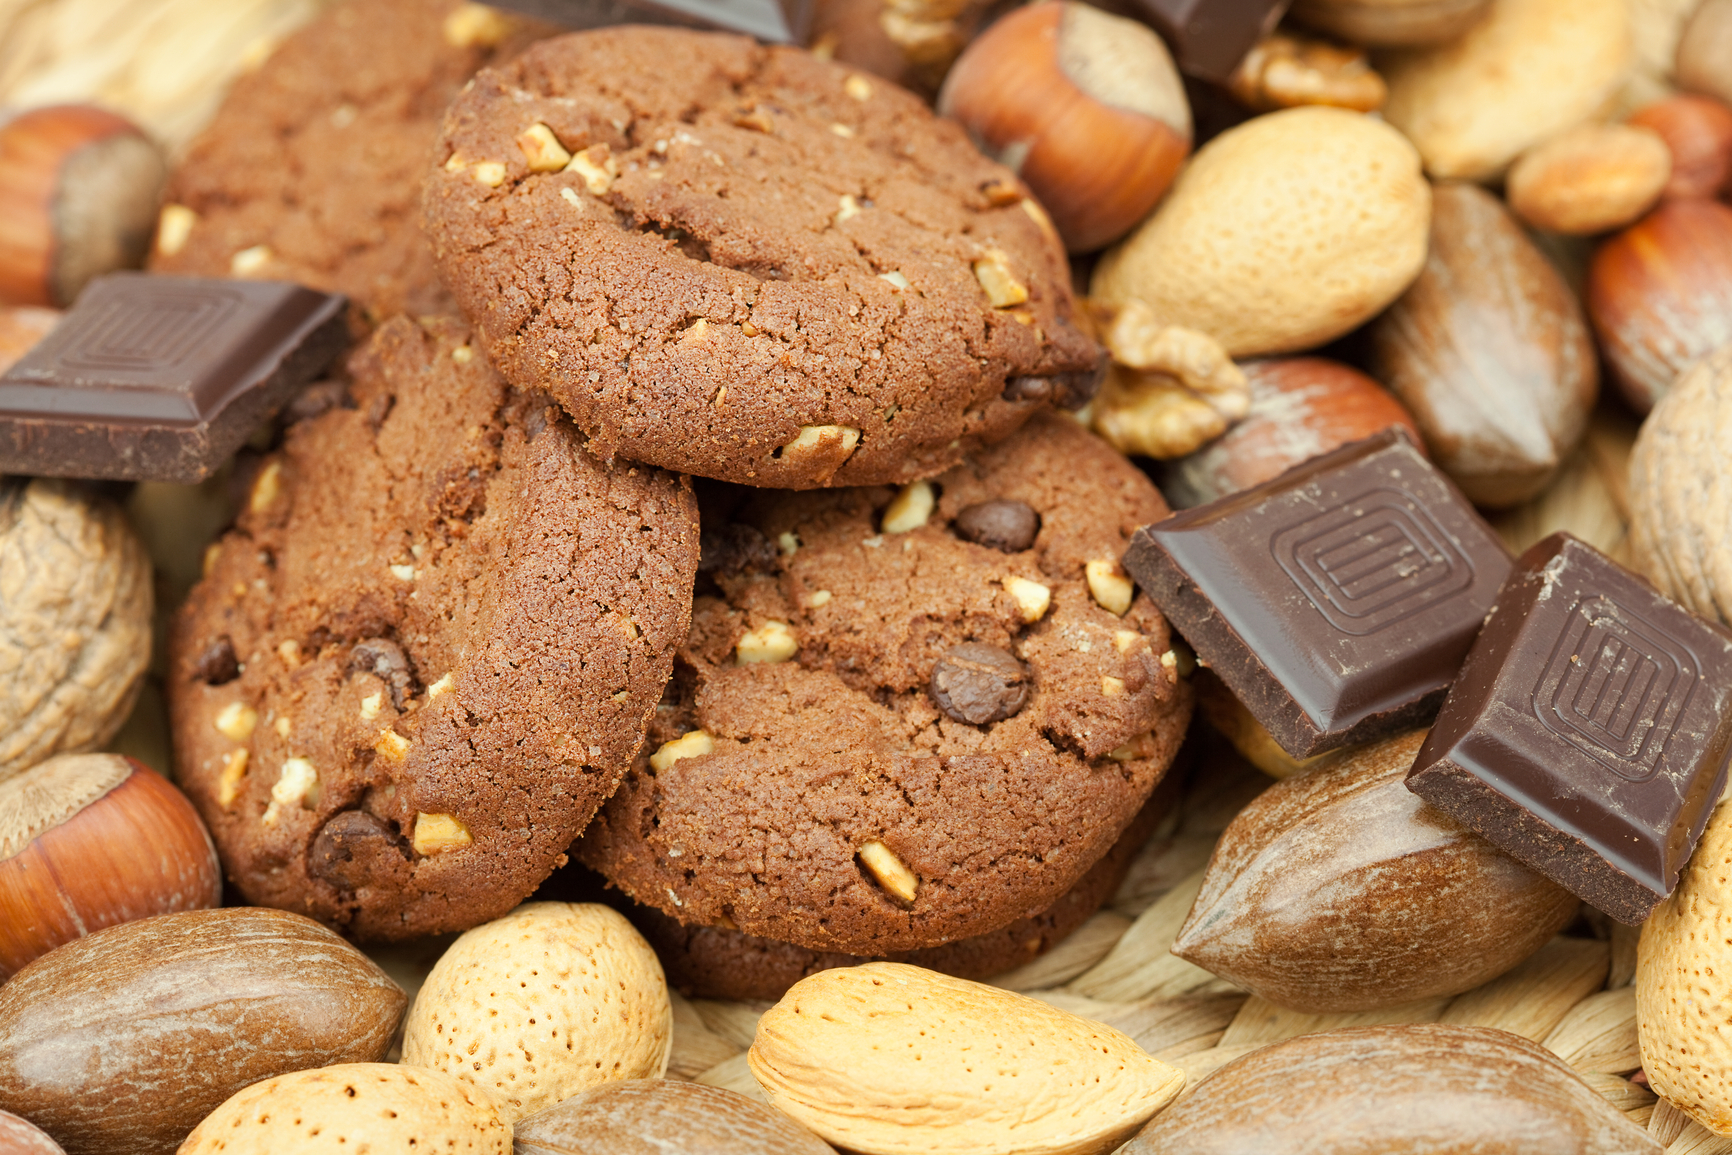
x: 121, y: 1042
x: 352, y: 1109
x: 538, y: 1005
x: 1419, y: 1088
x: 887, y: 1058
x: 1592, y: 179
x: 641, y: 1116
x: 1339, y: 890
x: 1684, y: 985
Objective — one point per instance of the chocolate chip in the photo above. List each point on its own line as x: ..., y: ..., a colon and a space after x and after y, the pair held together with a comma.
x: 385, y: 660
x: 1066, y: 390
x: 1007, y: 525
x: 734, y: 548
x: 218, y: 664
x: 979, y: 683
x: 347, y: 850
x: 319, y: 397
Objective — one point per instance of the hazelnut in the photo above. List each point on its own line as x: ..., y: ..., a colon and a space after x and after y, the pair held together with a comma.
x: 1086, y: 107
x: 1592, y: 179
x: 1660, y: 295
x: 89, y: 841
x: 1391, y: 23
x: 1698, y: 133
x: 1703, y: 50
x: 1489, y: 351
x: 79, y: 188
x: 1300, y: 407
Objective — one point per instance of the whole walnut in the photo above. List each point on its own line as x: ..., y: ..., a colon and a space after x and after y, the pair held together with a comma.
x: 75, y: 609
x: 1681, y: 488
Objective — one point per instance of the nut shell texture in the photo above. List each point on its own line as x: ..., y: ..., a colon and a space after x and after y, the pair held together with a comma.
x: 1339, y: 890
x: 1418, y: 1089
x: 121, y: 1042
x: 1282, y: 234
x: 75, y: 604
x: 662, y: 1117
x: 1684, y: 985
x: 352, y: 1109
x: 536, y: 1006
x: 19, y: 1138
x: 1680, y: 488
x: 887, y: 1058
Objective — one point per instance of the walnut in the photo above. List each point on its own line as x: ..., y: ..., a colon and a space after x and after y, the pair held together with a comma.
x: 1680, y: 486
x: 75, y: 609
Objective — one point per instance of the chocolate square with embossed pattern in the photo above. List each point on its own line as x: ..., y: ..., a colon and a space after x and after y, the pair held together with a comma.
x: 1588, y: 732
x: 161, y: 378
x: 1336, y: 601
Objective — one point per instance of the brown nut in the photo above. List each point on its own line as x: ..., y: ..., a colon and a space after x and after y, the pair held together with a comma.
x: 651, y: 1116
x: 1489, y: 351
x: 1339, y: 890
x: 1698, y: 133
x: 1660, y: 295
x: 119, y: 1043
x: 1285, y: 71
x: 1703, y: 50
x: 78, y: 197
x: 74, y: 623
x: 1417, y: 1088
x: 1592, y: 179
x: 1086, y: 107
x: 18, y: 1137
x: 1391, y: 23
x: 1301, y: 407
x: 91, y: 840
x: 1680, y: 470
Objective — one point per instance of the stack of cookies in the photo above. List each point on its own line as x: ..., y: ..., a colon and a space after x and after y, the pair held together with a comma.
x: 695, y: 506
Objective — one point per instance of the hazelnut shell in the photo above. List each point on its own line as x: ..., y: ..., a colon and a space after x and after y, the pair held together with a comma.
x: 1698, y: 133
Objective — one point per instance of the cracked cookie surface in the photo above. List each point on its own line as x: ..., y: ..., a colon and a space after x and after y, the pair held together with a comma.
x: 429, y: 648
x: 802, y: 784
x: 311, y: 170
x: 747, y: 263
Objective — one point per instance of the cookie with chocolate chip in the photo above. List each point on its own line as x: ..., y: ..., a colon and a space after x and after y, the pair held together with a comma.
x: 429, y: 648
x: 311, y: 170
x: 884, y: 735
x: 747, y: 263
x: 713, y: 962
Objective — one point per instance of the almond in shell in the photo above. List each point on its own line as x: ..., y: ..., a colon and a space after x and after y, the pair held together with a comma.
x: 1339, y: 890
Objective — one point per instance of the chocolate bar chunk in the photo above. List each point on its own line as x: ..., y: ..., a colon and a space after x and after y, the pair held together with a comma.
x: 775, y: 21
x: 152, y: 378
x: 1337, y: 600
x: 1210, y: 37
x: 1588, y: 731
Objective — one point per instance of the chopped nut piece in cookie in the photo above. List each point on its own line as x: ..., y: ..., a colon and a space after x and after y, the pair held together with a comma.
x: 1032, y: 598
x: 856, y: 87
x: 444, y: 685
x: 542, y: 150
x: 229, y: 782
x: 236, y: 720
x: 890, y: 871
x: 596, y: 166
x: 1109, y: 586
x: 476, y: 26
x: 771, y: 642
x: 250, y: 260
x: 685, y: 746
x: 488, y: 172
x: 438, y: 833
x: 266, y: 486
x: 910, y: 510
x: 173, y: 227
x: 994, y: 274
x: 297, y: 785
x: 392, y: 745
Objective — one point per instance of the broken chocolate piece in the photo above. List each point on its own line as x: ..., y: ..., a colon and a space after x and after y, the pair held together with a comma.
x: 773, y: 21
x: 153, y: 378
x: 1209, y: 37
x: 1337, y: 600
x: 1588, y: 732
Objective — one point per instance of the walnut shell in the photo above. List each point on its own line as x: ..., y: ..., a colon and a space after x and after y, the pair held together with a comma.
x: 1680, y: 488
x: 1339, y: 890
x: 75, y: 605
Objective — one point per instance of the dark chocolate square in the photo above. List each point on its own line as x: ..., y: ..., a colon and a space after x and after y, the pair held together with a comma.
x: 1336, y: 601
x: 1588, y: 732
x: 1210, y: 37
x: 161, y: 378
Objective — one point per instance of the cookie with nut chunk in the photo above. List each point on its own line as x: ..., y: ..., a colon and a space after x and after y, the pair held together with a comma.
x: 311, y: 170
x: 904, y: 717
x: 429, y: 648
x: 747, y: 263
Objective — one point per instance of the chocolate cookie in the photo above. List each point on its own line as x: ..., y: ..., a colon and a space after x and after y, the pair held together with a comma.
x: 882, y: 735
x: 711, y: 962
x: 748, y: 263
x: 429, y: 648
x: 311, y: 170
